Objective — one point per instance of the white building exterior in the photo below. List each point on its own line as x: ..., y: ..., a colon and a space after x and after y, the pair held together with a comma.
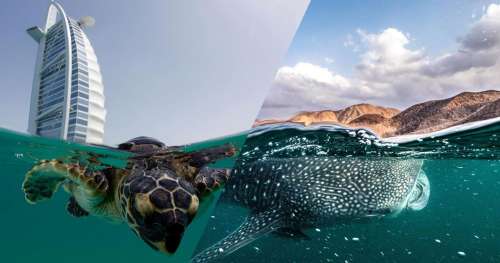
x: 67, y: 99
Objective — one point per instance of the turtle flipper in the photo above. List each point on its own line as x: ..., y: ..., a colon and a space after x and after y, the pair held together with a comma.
x: 94, y: 182
x: 210, y: 179
x: 75, y: 209
x: 206, y: 156
x: 44, y: 179
x: 188, y: 164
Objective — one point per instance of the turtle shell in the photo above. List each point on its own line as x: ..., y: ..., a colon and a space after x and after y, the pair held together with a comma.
x: 141, y: 144
x: 159, y: 206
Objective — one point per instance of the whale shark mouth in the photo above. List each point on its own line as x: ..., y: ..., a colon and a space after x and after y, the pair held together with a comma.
x: 419, y: 197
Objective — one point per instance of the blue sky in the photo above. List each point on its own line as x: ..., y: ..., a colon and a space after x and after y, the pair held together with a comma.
x: 391, y: 53
x: 434, y: 25
x: 180, y: 71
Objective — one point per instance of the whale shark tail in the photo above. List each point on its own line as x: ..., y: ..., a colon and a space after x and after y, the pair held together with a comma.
x: 254, y: 226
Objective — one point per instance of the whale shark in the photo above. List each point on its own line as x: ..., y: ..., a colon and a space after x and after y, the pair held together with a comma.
x: 287, y: 195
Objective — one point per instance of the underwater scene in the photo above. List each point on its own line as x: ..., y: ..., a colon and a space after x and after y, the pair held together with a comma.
x: 377, y: 142
x: 449, y: 215
x: 47, y: 231
x: 437, y: 193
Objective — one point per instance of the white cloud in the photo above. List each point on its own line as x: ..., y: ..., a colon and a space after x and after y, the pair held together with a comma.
x: 306, y: 84
x: 329, y: 60
x: 485, y: 33
x: 392, y: 74
x: 304, y: 72
x: 387, y: 54
x: 479, y: 48
x: 349, y: 42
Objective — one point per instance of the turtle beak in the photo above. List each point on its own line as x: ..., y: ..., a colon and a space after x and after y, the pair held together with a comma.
x: 158, y: 234
x: 169, y: 245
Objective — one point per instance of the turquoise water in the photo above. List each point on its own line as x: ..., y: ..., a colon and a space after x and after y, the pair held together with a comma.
x: 461, y: 222
x: 463, y: 213
x: 45, y: 232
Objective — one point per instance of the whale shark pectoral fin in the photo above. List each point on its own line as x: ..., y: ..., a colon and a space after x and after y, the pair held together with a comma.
x: 254, y: 227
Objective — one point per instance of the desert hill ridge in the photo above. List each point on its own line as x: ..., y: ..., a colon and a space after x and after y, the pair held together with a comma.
x: 423, y: 117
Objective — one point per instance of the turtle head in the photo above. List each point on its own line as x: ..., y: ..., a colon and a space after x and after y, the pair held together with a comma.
x: 419, y: 196
x: 141, y: 145
x: 158, y: 207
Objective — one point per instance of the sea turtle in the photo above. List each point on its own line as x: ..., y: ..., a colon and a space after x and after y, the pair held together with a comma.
x: 157, y: 193
x: 287, y: 195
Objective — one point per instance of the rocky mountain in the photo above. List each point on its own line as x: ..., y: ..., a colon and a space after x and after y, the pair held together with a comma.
x: 439, y: 114
x: 353, y: 112
x: 420, y: 118
x: 345, y: 116
x: 489, y: 111
x: 315, y: 116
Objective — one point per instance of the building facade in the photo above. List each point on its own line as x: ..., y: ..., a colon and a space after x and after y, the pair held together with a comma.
x: 67, y: 99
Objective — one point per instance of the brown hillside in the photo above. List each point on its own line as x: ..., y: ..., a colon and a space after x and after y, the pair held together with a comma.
x: 439, y: 114
x: 352, y: 112
x: 316, y: 116
x: 420, y: 118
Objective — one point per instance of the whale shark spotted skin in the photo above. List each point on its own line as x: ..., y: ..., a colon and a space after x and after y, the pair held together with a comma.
x: 286, y: 195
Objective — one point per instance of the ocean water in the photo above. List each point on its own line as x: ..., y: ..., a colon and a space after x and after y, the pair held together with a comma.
x: 461, y: 222
x: 45, y: 232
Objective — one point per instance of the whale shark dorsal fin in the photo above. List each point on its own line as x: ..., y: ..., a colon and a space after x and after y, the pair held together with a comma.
x: 255, y: 226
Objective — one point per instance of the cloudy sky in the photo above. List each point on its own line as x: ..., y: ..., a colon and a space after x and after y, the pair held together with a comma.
x: 180, y: 71
x: 392, y: 55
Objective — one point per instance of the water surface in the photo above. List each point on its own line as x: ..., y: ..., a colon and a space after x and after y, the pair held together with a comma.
x: 459, y: 224
x: 45, y: 232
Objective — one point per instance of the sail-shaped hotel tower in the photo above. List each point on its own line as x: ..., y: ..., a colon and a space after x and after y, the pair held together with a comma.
x: 67, y: 99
